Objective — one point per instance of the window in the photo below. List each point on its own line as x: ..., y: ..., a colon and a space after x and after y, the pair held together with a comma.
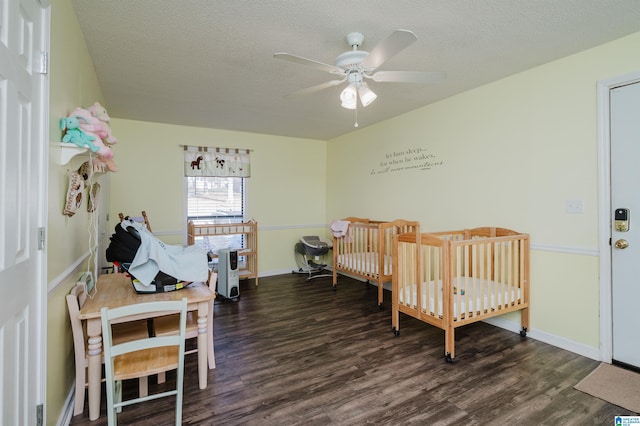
x: 212, y: 199
x: 215, y: 181
x: 215, y: 199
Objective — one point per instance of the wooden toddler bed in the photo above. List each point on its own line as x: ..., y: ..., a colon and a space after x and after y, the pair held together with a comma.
x: 366, y: 249
x: 465, y: 276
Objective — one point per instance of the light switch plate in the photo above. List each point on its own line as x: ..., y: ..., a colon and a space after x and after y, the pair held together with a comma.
x: 575, y: 206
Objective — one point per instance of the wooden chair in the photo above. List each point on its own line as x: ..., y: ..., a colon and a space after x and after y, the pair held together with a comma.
x: 141, y: 219
x: 122, y: 333
x: 168, y: 325
x: 143, y: 357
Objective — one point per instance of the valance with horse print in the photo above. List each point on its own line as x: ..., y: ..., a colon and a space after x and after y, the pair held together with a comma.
x: 219, y: 162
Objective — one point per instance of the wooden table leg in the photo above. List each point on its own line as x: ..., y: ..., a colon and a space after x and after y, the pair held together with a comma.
x: 203, y: 307
x: 94, y: 373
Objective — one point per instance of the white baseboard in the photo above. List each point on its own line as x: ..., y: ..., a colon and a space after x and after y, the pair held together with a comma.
x: 293, y: 270
x: 551, y: 339
x: 66, y: 414
x: 278, y: 272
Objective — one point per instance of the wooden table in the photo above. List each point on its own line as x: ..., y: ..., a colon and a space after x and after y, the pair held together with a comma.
x: 114, y: 290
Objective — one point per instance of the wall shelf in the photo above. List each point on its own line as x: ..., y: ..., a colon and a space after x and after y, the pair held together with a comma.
x: 69, y: 150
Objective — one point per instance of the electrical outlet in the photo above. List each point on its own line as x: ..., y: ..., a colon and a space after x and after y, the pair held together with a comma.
x: 575, y: 206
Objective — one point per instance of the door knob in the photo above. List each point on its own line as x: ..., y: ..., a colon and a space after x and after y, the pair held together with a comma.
x: 622, y: 244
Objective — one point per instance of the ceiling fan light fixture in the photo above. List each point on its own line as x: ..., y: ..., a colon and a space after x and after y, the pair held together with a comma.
x: 349, y: 97
x: 355, y: 65
x: 366, y: 95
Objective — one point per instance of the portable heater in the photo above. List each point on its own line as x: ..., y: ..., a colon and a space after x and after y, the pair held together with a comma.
x: 228, y: 276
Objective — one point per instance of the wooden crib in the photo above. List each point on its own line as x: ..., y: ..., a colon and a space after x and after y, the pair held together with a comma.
x: 366, y: 250
x: 465, y: 276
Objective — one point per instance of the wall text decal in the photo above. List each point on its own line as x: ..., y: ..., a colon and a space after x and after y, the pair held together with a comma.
x: 409, y: 159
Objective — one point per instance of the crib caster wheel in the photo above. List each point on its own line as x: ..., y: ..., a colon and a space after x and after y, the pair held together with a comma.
x: 448, y: 358
x: 523, y: 332
x: 396, y: 332
x: 381, y: 306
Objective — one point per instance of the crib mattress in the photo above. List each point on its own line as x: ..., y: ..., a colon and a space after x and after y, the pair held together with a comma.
x: 364, y: 262
x: 489, y: 296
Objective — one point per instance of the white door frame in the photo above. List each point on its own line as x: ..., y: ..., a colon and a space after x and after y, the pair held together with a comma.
x: 605, y: 208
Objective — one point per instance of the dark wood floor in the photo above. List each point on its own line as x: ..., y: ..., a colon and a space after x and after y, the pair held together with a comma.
x: 290, y: 352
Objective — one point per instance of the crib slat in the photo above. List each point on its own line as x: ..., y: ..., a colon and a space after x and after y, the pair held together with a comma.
x: 441, y: 278
x: 513, y: 275
x: 488, y: 263
x: 479, y: 297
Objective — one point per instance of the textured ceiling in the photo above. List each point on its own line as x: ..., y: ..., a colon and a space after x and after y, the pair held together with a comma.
x: 209, y: 63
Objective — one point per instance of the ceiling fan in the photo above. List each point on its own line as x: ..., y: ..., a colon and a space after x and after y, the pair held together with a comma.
x: 355, y: 66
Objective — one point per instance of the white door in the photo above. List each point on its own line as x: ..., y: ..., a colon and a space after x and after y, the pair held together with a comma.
x: 24, y: 105
x: 625, y: 200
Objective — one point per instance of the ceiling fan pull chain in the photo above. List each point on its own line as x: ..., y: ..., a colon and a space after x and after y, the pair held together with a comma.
x: 356, y: 123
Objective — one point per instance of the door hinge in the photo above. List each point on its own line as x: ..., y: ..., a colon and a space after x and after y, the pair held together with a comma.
x: 39, y: 414
x: 41, y: 238
x: 44, y: 63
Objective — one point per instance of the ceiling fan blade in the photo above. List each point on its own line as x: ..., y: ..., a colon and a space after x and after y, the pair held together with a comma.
x: 397, y: 41
x: 409, y: 76
x: 316, y: 88
x: 308, y: 62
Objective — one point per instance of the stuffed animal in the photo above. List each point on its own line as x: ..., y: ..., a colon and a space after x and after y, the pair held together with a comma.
x: 73, y: 134
x: 81, y: 129
x: 100, y: 165
x: 99, y: 112
x: 91, y: 126
x: 88, y: 122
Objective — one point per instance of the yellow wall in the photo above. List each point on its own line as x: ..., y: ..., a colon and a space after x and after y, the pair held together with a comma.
x: 73, y: 83
x: 507, y: 154
x: 286, y: 191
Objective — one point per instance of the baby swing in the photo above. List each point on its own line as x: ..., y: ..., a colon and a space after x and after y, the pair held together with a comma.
x: 310, y: 254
